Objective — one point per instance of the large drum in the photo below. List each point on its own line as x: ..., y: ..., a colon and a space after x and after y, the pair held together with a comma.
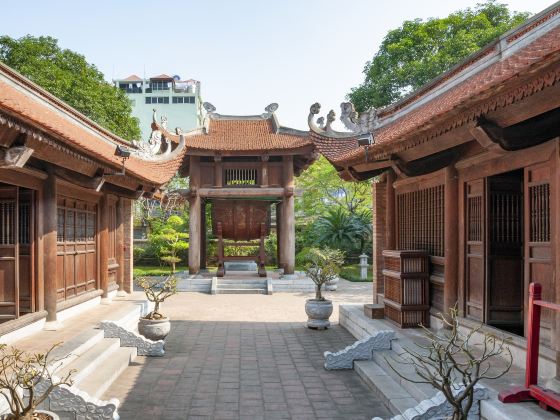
x: 241, y: 219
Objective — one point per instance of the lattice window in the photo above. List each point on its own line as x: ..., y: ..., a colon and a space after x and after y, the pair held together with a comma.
x: 7, y: 222
x: 24, y: 223
x: 81, y: 226
x: 539, y: 211
x: 60, y: 225
x: 420, y: 220
x: 90, y: 228
x: 70, y: 234
x: 240, y: 177
x: 475, y: 219
x: 506, y: 213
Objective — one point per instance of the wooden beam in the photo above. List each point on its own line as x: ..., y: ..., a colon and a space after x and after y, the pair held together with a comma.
x: 84, y: 181
x: 15, y: 157
x: 122, y: 192
x: 244, y: 192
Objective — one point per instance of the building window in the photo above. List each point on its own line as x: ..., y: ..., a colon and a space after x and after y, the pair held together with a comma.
x: 160, y: 85
x: 183, y: 99
x: 157, y: 99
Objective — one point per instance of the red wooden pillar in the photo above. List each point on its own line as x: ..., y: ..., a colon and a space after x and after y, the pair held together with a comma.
x: 390, y: 228
x: 50, y: 248
x: 120, y: 244
x: 451, y: 238
x: 288, y: 216
x: 203, y: 235
x: 194, y: 216
x: 534, y: 322
x: 104, y: 246
x: 279, y: 255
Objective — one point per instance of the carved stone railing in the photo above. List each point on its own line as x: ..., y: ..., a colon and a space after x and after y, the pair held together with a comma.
x: 360, y: 350
x: 438, y: 407
x: 144, y: 346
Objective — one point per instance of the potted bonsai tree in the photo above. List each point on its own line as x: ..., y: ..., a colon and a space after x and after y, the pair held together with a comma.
x: 155, y: 326
x: 322, y: 266
x: 19, y: 383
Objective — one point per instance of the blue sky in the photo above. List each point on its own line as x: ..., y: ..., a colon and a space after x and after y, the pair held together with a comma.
x: 247, y: 54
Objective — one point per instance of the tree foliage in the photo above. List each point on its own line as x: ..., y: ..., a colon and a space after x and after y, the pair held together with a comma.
x: 170, y: 240
x: 67, y: 75
x: 322, y: 265
x: 418, y: 51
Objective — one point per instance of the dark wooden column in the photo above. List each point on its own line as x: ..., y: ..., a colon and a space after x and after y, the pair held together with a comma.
x: 203, y: 235
x: 104, y: 246
x: 288, y: 216
x: 279, y: 256
x: 264, y: 171
x: 50, y: 245
x: 120, y: 243
x: 194, y: 216
x: 218, y: 171
x: 451, y: 238
x: 390, y: 227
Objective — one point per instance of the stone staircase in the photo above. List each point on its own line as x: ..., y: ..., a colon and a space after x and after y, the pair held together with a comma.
x: 400, y: 395
x: 97, y: 361
x: 240, y: 286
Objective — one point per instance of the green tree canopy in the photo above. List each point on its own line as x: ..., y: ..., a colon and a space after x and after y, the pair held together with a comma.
x: 418, y: 51
x: 67, y: 75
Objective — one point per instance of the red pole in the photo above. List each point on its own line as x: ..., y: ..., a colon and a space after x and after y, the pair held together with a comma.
x: 534, y: 321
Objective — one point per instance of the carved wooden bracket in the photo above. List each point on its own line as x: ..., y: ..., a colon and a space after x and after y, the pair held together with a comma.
x: 15, y: 157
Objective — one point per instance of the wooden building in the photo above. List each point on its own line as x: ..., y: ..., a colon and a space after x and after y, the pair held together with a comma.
x: 467, y: 168
x: 66, y: 187
x: 241, y: 167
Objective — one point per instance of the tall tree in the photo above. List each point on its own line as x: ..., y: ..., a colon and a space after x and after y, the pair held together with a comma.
x: 67, y: 75
x: 418, y: 51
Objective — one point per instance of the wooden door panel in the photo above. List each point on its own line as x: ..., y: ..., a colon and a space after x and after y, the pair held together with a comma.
x: 9, y: 304
x: 538, y: 247
x: 26, y: 234
x: 475, y: 205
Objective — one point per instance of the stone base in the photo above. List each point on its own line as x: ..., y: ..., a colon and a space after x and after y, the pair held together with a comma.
x: 374, y: 310
x: 318, y: 324
x: 241, y: 266
x: 52, y: 326
x: 553, y: 384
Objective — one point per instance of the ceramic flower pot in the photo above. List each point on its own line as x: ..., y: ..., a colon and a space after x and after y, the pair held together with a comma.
x: 37, y: 415
x: 318, y: 313
x: 154, y: 329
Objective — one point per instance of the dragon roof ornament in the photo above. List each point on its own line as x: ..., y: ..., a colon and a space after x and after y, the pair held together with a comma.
x: 157, y: 147
x: 358, y: 123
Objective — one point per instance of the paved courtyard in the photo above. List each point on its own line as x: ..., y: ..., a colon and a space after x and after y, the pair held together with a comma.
x: 246, y: 356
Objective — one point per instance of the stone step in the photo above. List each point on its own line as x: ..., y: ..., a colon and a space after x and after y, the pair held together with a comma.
x: 242, y: 286
x: 88, y: 362
x: 241, y: 291
x: 241, y: 281
x: 101, y: 379
x: 391, y: 393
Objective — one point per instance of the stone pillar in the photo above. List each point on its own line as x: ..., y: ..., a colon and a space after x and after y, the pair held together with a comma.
x: 390, y: 231
x: 288, y: 216
x: 194, y: 216
x: 120, y: 246
x: 104, y: 248
x: 128, y: 239
x: 279, y: 256
x: 50, y: 249
x: 451, y: 238
x: 379, y: 190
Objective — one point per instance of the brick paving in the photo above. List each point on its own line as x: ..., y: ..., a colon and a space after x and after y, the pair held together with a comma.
x: 224, y: 361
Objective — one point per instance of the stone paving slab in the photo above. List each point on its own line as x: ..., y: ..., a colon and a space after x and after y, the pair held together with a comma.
x: 248, y: 357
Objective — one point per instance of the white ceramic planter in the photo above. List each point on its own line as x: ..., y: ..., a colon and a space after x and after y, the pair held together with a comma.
x: 154, y: 329
x: 318, y: 313
x: 53, y: 416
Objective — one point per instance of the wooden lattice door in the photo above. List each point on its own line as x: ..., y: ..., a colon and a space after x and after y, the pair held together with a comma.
x: 538, y: 248
x: 475, y: 290
x: 26, y: 236
x: 504, y: 278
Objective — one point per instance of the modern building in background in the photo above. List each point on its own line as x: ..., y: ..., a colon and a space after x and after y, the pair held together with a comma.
x: 178, y: 100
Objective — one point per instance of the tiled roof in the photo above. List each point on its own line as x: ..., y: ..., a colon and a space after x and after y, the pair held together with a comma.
x: 30, y: 104
x: 161, y: 76
x: 132, y: 78
x: 425, y: 111
x: 335, y: 150
x: 246, y: 134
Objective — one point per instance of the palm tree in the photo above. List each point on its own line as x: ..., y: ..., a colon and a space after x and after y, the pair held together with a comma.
x: 343, y: 230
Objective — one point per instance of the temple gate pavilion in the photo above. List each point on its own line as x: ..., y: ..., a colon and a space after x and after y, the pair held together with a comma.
x: 243, y: 168
x: 467, y: 170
